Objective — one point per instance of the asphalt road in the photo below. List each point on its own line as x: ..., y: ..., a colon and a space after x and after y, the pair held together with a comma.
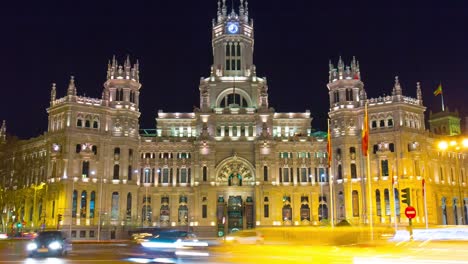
x: 448, y: 252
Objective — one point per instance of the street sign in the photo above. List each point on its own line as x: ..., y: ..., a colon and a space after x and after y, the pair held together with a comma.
x: 410, y: 212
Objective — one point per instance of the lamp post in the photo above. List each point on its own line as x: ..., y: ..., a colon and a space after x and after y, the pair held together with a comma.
x: 456, y: 147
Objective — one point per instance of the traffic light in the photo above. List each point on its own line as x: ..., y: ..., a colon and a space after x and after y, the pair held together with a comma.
x: 19, y: 225
x: 406, y: 196
x: 59, y: 217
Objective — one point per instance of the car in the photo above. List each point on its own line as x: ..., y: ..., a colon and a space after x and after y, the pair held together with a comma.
x: 49, y: 243
x: 3, y: 236
x: 245, y: 237
x: 171, y: 244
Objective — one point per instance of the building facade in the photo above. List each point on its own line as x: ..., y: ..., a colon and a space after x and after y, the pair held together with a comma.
x: 234, y: 162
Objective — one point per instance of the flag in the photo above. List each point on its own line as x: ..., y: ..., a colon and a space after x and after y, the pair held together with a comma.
x: 329, y: 147
x: 438, y: 90
x: 365, y: 133
x: 423, y: 186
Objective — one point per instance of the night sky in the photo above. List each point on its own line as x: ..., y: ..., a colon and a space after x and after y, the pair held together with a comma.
x: 42, y: 43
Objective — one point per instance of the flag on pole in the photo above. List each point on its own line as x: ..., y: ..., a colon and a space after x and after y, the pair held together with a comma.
x: 365, y: 133
x: 438, y: 90
x: 329, y: 147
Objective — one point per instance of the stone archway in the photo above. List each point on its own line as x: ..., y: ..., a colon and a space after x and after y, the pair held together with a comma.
x: 235, y: 171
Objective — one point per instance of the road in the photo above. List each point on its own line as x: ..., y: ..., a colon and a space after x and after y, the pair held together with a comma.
x: 449, y: 252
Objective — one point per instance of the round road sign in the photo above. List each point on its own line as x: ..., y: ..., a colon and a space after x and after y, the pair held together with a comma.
x: 410, y: 212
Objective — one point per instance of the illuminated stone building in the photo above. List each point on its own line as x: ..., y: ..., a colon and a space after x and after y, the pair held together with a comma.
x: 232, y: 163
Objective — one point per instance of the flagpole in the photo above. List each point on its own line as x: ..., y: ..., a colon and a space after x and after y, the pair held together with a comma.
x: 394, y: 203
x: 330, y: 179
x: 369, y: 180
x: 425, y: 200
x: 442, y: 97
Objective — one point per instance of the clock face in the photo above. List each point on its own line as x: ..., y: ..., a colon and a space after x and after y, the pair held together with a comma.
x: 56, y: 147
x: 233, y: 27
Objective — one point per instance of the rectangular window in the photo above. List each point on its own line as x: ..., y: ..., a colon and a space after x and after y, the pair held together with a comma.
x: 82, y: 233
x: 238, y: 65
x: 165, y: 176
x: 204, y: 211
x: 303, y: 174
x: 265, y: 173
x: 322, y: 175
x: 285, y: 174
x: 91, y: 233
x: 228, y: 65
x: 384, y: 164
x: 417, y: 169
x: 183, y: 175
x: 266, y: 210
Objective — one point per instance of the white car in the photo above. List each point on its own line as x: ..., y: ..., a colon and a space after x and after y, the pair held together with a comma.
x: 245, y: 237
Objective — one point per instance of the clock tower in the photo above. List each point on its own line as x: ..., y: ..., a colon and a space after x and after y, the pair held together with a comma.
x: 233, y: 81
x: 233, y: 41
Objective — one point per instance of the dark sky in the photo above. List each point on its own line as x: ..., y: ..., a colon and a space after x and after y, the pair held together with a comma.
x: 43, y: 43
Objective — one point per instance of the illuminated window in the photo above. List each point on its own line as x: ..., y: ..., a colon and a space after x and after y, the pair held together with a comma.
x: 92, y: 204
x: 355, y: 198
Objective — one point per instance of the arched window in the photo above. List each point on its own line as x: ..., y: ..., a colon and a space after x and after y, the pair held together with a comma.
x: 95, y: 124
x: 117, y: 151
x: 87, y: 123
x: 128, y: 212
x: 83, y: 205
x: 355, y: 197
x: 336, y: 97
x: 146, y: 213
x: 115, y: 206
x: 92, y: 204
x: 78, y: 148
x: 79, y: 123
x: 116, y: 171
x: 74, y: 203
x: 94, y: 149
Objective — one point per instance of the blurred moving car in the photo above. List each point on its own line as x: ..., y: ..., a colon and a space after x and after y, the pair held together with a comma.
x: 3, y: 236
x: 245, y: 237
x: 49, y: 243
x: 171, y: 244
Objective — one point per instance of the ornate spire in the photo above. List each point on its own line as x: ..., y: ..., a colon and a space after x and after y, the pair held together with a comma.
x: 397, y: 87
x: 224, y: 8
x: 419, y: 93
x: 53, y: 94
x: 71, y: 91
x: 246, y: 12
x: 3, y: 132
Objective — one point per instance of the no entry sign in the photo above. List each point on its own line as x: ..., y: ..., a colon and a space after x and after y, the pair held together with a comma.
x: 410, y: 212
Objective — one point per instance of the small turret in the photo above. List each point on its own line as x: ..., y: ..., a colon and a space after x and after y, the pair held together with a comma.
x: 397, y: 87
x: 419, y: 93
x: 53, y: 94
x: 71, y: 91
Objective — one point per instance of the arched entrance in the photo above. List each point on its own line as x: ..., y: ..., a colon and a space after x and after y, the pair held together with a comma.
x: 235, y: 208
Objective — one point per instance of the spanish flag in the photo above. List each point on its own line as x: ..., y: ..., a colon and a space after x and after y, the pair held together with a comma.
x: 329, y: 147
x: 438, y: 90
x: 365, y: 133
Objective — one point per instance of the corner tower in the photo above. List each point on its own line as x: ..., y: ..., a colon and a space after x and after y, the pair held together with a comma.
x: 121, y: 92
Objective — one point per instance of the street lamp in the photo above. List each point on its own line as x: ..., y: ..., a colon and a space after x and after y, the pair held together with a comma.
x: 456, y: 147
x: 36, y: 187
